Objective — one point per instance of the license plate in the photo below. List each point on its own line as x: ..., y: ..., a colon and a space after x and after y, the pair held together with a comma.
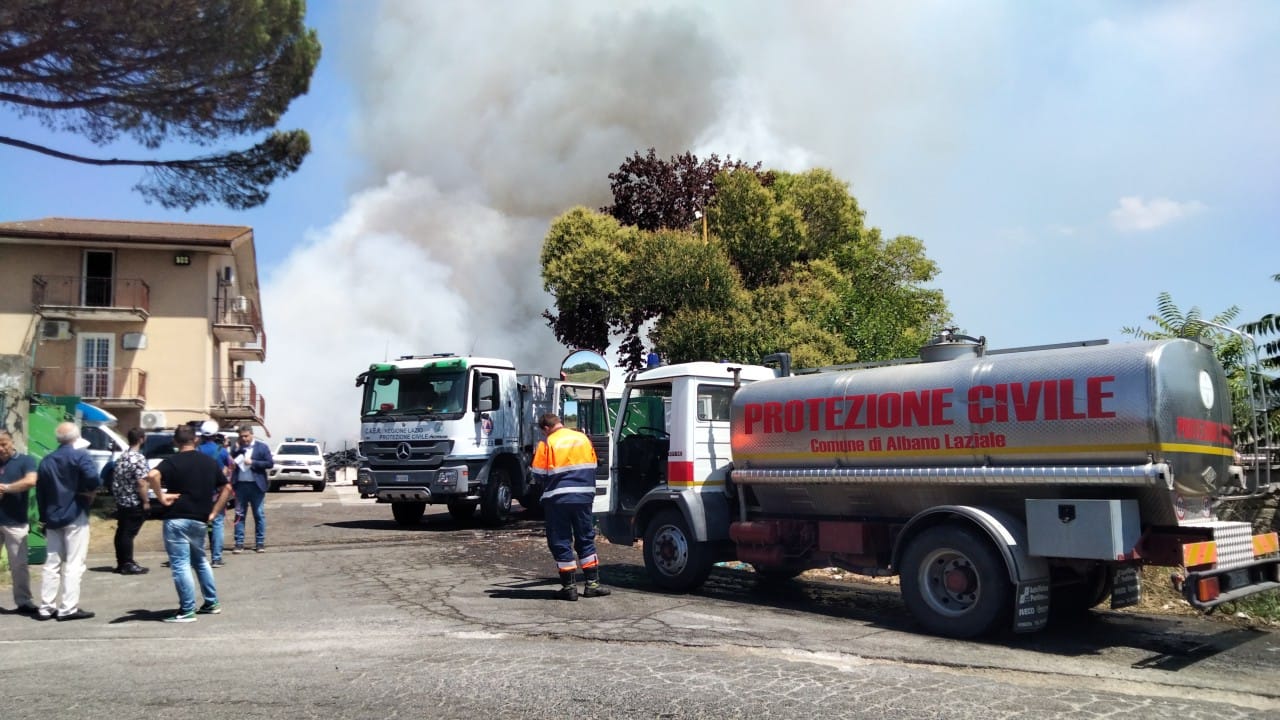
x: 402, y: 478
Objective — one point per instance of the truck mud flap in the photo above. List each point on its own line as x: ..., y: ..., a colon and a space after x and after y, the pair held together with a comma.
x: 1126, y: 587
x: 1031, y: 606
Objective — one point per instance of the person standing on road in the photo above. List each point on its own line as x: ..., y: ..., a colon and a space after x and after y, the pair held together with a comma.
x: 253, y: 460
x: 211, y: 445
x: 191, y: 481
x: 129, y: 487
x: 66, y: 481
x: 17, y: 477
x: 566, y: 462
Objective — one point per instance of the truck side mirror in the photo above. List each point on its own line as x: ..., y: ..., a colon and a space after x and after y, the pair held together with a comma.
x: 484, y: 405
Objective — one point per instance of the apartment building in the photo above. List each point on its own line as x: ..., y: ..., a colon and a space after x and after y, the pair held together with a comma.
x: 154, y: 322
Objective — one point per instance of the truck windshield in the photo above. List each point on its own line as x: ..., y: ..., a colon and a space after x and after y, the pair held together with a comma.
x: 646, y: 411
x: 413, y: 392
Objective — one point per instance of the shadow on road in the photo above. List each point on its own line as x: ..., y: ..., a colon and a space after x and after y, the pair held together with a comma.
x: 1172, y: 642
x: 523, y: 590
x: 143, y: 616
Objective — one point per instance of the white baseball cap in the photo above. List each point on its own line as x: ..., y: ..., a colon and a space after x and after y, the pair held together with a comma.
x: 208, y: 427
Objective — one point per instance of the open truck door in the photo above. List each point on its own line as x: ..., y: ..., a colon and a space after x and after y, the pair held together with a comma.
x: 580, y: 402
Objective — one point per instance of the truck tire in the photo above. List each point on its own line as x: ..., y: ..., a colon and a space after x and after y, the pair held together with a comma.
x: 462, y: 510
x: 318, y: 487
x: 675, y: 561
x: 408, y: 513
x: 495, y: 505
x: 955, y: 583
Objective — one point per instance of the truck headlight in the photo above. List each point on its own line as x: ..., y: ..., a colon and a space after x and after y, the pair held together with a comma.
x: 448, y: 476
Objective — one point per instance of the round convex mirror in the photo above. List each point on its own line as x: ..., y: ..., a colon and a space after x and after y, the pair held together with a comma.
x: 585, y: 366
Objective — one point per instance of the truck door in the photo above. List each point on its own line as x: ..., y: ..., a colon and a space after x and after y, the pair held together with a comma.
x: 583, y: 408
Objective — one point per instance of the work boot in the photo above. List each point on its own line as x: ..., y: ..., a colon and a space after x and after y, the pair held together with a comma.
x: 568, y: 590
x: 595, y: 589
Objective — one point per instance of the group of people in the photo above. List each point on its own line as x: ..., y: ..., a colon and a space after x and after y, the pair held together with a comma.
x: 193, y: 486
x: 191, y: 489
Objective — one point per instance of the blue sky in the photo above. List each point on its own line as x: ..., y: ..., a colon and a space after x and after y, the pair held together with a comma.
x: 1063, y: 163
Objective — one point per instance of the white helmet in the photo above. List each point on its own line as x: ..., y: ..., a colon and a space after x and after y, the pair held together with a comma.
x: 209, y: 427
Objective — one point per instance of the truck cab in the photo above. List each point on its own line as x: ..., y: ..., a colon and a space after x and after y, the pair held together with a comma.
x: 672, y: 454
x: 461, y: 431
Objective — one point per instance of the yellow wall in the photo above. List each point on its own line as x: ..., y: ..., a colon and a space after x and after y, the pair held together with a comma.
x: 181, y: 359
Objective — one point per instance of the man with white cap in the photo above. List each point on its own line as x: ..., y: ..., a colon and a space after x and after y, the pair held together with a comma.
x: 211, y: 445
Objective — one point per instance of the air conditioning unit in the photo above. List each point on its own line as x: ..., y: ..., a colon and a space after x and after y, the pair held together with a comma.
x: 55, y: 330
x: 239, y: 304
x: 152, y: 420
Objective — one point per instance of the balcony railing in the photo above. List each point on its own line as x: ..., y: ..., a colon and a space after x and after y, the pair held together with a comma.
x: 237, y: 400
x: 236, y: 319
x: 103, y: 386
x: 250, y: 350
x: 80, y: 295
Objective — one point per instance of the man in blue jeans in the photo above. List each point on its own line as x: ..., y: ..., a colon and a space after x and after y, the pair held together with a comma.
x: 253, y: 460
x: 190, y: 480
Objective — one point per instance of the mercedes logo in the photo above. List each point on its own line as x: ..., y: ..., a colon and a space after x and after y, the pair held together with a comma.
x: 403, y: 451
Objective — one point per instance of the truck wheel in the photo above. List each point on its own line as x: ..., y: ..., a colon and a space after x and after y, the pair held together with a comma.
x: 462, y: 510
x: 675, y: 561
x: 318, y: 487
x: 408, y: 513
x: 495, y: 506
x: 955, y: 583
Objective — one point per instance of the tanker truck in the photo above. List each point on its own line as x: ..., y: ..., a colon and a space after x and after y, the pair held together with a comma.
x: 996, y: 484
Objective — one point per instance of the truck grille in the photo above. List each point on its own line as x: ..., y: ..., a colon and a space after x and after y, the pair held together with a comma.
x: 406, y: 454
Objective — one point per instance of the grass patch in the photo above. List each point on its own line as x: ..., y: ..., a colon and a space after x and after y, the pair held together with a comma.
x: 1263, y: 606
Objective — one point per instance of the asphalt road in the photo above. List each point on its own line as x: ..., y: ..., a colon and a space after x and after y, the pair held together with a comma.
x: 350, y: 616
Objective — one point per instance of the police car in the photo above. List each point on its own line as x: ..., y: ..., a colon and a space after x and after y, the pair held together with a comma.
x: 298, y: 461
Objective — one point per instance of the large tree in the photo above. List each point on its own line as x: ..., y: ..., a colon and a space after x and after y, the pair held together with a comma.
x: 194, y: 71
x: 788, y: 264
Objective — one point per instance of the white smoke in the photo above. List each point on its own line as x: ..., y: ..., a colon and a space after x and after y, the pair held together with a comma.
x: 479, y: 122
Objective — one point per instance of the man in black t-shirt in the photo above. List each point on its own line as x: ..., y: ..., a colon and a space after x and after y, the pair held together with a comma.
x: 191, y: 480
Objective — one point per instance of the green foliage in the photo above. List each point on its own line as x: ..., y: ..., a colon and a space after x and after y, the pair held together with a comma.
x: 163, y: 70
x: 788, y: 265
x: 1268, y: 326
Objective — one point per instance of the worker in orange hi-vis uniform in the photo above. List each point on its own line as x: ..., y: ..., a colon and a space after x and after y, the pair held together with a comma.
x: 566, y: 463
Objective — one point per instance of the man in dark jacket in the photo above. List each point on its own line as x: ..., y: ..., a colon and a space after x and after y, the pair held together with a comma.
x: 66, y: 481
x: 192, y: 480
x: 253, y: 460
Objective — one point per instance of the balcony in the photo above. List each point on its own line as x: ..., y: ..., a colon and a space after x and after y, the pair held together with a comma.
x: 237, y: 320
x: 105, y: 387
x: 256, y: 351
x: 237, y: 401
x: 80, y: 297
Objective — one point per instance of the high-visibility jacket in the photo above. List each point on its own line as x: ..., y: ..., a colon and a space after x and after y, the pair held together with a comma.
x: 566, y: 464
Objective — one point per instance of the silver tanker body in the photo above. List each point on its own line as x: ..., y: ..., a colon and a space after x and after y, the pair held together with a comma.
x: 1149, y: 421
